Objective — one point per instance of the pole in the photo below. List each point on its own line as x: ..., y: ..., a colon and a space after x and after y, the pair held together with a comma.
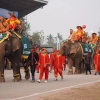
x: 57, y: 43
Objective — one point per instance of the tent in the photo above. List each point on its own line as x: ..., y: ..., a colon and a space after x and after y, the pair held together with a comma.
x: 23, y: 7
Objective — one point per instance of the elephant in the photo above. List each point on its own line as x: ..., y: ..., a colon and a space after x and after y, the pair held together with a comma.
x: 74, y: 53
x: 12, y: 49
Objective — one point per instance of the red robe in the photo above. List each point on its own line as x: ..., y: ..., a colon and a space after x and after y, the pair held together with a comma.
x: 97, y: 62
x: 58, y: 65
x: 37, y: 67
x: 52, y: 56
x: 44, y: 61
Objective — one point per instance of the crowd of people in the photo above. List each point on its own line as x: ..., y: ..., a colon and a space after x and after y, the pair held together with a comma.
x: 43, y: 63
x: 39, y: 61
x: 81, y: 35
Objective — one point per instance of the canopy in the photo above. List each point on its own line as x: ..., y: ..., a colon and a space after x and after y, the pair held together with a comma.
x: 23, y: 7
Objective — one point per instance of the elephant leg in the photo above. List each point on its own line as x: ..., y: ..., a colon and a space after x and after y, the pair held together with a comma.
x: 16, y: 66
x: 70, y: 71
x: 16, y: 71
x: 27, y: 73
x: 2, y: 78
x: 77, y: 65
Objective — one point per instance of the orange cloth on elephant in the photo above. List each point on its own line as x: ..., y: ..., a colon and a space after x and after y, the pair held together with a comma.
x: 97, y: 62
x: 79, y: 34
x: 58, y: 65
x: 44, y: 61
x: 13, y: 22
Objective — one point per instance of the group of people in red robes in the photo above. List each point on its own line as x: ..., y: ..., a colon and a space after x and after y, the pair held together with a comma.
x: 48, y: 62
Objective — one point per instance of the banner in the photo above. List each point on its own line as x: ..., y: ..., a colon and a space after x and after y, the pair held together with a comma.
x: 5, y: 13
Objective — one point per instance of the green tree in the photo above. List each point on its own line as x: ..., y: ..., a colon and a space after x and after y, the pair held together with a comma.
x: 26, y: 27
x: 51, y: 41
x: 36, y: 39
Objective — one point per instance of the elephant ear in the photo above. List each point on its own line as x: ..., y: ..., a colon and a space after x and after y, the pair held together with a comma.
x: 16, y: 44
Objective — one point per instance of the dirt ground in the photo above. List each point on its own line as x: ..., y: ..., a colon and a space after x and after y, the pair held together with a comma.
x: 87, y: 92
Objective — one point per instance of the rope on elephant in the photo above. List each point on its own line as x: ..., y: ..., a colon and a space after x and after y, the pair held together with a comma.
x: 17, y: 34
x: 16, y: 75
x: 81, y: 49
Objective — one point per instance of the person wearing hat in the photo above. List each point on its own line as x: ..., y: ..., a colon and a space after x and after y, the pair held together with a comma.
x: 97, y: 62
x: 32, y: 61
x: 58, y: 65
x: 79, y: 33
x: 94, y: 38
x: 13, y: 21
x: 43, y: 63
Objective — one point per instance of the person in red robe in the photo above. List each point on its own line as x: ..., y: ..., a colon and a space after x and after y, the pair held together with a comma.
x: 52, y: 56
x: 97, y: 62
x: 39, y: 53
x: 58, y: 64
x: 43, y: 63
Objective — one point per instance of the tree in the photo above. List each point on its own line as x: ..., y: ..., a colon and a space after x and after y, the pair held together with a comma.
x: 26, y: 27
x: 36, y: 38
x: 51, y: 41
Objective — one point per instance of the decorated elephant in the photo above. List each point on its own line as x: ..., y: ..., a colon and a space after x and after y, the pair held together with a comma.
x: 74, y: 52
x: 11, y: 47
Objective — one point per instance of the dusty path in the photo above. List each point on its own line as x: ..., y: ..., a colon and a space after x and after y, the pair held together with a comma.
x: 87, y: 92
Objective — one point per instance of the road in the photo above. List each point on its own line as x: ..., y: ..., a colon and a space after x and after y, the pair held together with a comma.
x: 26, y: 90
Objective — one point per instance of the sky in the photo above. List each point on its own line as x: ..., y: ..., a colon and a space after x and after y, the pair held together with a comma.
x: 59, y: 16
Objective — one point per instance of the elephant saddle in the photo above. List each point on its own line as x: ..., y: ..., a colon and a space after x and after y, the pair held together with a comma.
x: 3, y: 36
x: 87, y: 48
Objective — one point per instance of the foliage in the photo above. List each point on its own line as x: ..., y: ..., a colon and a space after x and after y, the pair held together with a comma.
x: 51, y: 41
x: 36, y: 38
x: 26, y: 26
